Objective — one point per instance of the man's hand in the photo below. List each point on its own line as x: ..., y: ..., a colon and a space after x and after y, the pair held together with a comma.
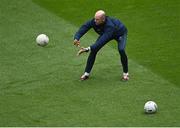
x: 82, y: 50
x: 77, y: 43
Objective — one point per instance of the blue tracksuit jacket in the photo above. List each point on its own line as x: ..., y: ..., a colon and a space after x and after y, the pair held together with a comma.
x: 111, y: 29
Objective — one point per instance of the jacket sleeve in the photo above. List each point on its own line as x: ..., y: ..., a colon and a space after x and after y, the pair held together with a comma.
x: 83, y: 29
x: 103, y: 39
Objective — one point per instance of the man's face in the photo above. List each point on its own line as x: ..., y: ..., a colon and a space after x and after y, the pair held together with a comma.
x: 99, y: 20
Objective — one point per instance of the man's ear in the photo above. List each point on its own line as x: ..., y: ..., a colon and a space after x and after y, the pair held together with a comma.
x: 104, y: 18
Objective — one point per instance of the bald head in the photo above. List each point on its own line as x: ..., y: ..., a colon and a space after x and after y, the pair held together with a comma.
x: 100, y: 17
x: 100, y: 13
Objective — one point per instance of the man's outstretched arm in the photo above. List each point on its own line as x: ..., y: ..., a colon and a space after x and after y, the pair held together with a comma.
x: 100, y: 42
x: 83, y: 29
x: 103, y: 39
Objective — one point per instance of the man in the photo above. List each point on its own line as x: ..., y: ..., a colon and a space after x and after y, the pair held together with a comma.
x: 108, y: 29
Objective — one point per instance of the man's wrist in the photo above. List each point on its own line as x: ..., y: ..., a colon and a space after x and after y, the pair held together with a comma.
x: 88, y: 49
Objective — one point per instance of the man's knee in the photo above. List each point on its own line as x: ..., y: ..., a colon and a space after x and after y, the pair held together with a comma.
x: 93, y: 52
x: 121, y: 51
x: 94, y: 49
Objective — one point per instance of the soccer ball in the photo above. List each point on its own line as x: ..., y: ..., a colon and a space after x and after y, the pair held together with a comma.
x: 42, y: 40
x: 150, y: 107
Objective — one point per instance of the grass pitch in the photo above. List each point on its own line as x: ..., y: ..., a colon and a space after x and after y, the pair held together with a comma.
x: 40, y: 85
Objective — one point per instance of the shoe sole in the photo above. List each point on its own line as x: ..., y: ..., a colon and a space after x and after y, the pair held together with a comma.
x: 83, y: 79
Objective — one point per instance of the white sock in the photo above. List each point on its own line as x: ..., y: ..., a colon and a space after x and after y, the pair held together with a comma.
x: 86, y: 74
x: 125, y: 74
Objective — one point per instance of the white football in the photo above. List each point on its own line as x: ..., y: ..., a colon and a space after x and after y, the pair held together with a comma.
x: 150, y: 107
x: 42, y: 40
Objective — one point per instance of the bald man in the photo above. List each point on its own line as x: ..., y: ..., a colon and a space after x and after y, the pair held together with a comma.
x: 108, y: 29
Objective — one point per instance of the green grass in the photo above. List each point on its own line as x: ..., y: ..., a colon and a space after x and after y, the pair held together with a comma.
x: 40, y: 85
